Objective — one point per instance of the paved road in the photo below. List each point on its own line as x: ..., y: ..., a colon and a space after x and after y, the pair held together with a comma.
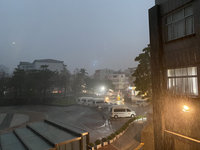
x: 94, y: 120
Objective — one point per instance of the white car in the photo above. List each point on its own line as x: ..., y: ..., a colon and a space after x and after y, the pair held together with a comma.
x: 122, y: 111
x: 85, y: 100
x: 99, y: 102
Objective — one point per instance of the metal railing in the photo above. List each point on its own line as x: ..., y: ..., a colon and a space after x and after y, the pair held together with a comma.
x: 182, y: 136
x: 140, y: 147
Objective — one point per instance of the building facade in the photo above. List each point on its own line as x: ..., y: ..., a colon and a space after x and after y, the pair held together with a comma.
x: 103, y: 74
x: 175, y: 64
x: 51, y: 64
x: 120, y: 81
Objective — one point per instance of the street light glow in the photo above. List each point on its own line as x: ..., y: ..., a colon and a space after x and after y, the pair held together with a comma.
x: 102, y: 88
x: 186, y: 108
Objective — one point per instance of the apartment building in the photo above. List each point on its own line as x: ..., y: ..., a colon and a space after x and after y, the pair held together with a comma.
x: 175, y: 64
x: 120, y: 81
x: 51, y: 64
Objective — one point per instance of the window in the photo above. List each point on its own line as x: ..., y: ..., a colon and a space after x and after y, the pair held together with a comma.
x: 119, y: 110
x: 180, y: 23
x: 183, y: 80
x: 128, y: 110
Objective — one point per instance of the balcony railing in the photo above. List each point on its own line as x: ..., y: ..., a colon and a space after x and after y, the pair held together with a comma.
x: 140, y: 147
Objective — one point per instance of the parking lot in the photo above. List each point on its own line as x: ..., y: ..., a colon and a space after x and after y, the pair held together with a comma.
x: 93, y: 119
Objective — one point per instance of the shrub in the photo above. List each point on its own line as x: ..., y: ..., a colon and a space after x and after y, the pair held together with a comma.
x: 120, y: 130
x: 104, y: 139
x: 117, y: 132
x: 97, y: 142
x: 131, y: 120
x: 109, y: 138
x: 91, y: 144
x: 112, y: 135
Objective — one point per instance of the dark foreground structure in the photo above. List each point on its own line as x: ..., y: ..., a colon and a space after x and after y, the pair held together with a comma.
x: 175, y: 62
x: 46, y: 135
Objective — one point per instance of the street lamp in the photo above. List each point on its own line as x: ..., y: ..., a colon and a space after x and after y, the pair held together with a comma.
x: 102, y: 89
x: 185, y: 108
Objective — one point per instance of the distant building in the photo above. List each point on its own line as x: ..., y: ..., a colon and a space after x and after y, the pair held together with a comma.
x: 129, y: 73
x: 51, y: 64
x: 26, y: 66
x: 103, y: 74
x: 119, y: 80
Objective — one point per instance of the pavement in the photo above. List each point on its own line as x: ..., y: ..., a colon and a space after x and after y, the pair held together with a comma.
x: 89, y: 118
x: 95, y: 121
x: 129, y: 140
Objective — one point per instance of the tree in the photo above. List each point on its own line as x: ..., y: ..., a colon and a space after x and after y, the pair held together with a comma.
x: 79, y: 81
x: 63, y: 80
x: 4, y: 84
x: 17, y: 81
x: 32, y: 82
x: 142, y: 73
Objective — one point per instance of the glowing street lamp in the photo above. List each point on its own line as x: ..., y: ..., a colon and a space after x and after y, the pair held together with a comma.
x: 102, y: 88
x: 186, y: 108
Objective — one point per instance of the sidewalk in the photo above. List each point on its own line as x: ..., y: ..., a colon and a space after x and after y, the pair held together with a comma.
x: 128, y: 141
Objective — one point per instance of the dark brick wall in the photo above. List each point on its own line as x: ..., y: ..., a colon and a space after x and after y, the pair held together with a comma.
x: 178, y: 53
x: 170, y: 5
x: 185, y: 51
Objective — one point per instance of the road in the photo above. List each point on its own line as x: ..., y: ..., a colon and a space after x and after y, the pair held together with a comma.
x: 95, y: 121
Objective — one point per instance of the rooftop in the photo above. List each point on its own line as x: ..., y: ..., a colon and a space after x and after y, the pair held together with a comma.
x: 25, y: 63
x: 46, y: 135
x: 48, y: 60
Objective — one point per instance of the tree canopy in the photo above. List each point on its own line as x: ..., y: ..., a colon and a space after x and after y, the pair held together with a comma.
x: 142, y: 73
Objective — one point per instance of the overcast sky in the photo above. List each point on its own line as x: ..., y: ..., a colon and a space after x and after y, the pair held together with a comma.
x: 90, y: 34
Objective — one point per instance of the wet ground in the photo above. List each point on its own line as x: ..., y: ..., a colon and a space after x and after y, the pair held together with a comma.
x: 95, y: 121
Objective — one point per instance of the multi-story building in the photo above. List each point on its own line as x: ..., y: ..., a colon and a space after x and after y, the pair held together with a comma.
x: 175, y: 64
x: 103, y: 74
x: 51, y: 64
x: 119, y: 80
x: 26, y: 66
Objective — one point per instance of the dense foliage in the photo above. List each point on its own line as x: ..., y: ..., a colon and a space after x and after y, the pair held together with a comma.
x: 45, y: 83
x: 142, y: 73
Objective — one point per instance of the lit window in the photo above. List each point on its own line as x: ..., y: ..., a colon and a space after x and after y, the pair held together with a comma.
x: 180, y: 23
x: 183, y: 80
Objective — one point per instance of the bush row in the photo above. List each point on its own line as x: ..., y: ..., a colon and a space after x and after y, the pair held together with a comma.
x: 113, y: 135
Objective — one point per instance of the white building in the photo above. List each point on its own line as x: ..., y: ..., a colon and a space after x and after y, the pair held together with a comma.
x: 51, y: 64
x: 26, y: 66
x: 120, y: 81
x: 103, y: 74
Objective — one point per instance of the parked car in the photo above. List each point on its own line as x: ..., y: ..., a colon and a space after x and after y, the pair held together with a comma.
x: 99, y: 102
x: 122, y: 111
x: 85, y: 100
x: 142, y: 103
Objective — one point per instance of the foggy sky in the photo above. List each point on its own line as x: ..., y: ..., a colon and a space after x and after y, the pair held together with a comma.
x: 91, y: 34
